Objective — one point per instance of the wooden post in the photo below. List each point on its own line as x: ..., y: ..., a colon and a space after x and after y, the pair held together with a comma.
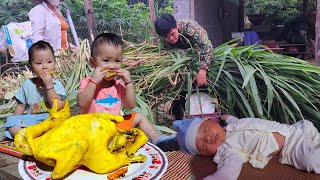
x: 317, y: 38
x: 305, y: 17
x: 241, y: 16
x: 153, y: 18
x: 91, y: 20
x: 193, y: 16
x: 305, y: 8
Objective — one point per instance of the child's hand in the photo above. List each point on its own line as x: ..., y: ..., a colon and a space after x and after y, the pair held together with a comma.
x: 46, y: 79
x: 124, y: 74
x: 98, y: 74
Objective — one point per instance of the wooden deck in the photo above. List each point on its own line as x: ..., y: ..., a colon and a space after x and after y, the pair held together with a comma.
x: 9, y: 167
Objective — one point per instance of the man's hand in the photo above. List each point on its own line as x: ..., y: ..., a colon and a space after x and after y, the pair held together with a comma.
x: 201, y: 78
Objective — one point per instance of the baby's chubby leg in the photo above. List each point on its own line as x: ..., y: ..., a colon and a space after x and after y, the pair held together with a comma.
x: 312, y: 137
x: 313, y: 162
x: 15, y: 123
x: 313, y: 132
x: 303, y: 147
x: 142, y: 123
x: 14, y: 130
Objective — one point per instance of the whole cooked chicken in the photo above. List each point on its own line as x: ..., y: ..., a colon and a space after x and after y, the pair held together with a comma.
x: 91, y: 140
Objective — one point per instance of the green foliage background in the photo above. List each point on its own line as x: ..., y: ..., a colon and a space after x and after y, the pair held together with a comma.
x: 277, y: 11
x: 131, y: 21
x: 129, y: 18
x: 14, y: 11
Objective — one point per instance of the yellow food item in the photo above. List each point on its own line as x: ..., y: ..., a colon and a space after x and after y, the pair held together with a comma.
x: 121, y: 140
x: 110, y: 73
x: 51, y: 72
x: 67, y: 143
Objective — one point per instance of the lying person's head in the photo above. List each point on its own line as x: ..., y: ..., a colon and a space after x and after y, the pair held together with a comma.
x: 198, y: 136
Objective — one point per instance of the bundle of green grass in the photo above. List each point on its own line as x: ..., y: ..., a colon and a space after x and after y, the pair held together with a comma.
x: 249, y: 80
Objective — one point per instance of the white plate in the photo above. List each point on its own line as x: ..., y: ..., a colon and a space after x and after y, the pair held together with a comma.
x: 153, y: 168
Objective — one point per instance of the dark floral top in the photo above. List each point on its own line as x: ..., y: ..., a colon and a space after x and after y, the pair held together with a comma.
x: 191, y: 33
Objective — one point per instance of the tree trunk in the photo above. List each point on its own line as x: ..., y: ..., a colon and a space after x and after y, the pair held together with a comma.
x: 91, y: 20
x: 317, y: 29
x: 305, y: 15
x: 152, y: 18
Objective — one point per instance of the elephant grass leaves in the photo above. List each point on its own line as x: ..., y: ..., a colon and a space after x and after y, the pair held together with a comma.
x: 253, y: 82
x: 250, y: 81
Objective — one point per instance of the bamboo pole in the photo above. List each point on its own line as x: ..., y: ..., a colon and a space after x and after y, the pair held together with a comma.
x: 73, y: 30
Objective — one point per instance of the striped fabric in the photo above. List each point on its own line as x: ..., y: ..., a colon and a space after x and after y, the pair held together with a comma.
x: 185, y: 166
x: 178, y: 167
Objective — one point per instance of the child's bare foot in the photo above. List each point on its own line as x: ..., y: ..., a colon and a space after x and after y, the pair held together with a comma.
x: 164, y: 138
x: 167, y: 142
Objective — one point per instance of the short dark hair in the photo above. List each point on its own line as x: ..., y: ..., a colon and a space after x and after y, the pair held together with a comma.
x: 164, y: 24
x: 39, y: 46
x: 105, y: 39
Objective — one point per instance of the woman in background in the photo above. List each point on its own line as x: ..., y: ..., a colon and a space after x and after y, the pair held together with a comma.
x: 48, y: 24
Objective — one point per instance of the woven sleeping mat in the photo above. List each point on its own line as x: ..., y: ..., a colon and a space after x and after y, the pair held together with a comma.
x: 187, y: 167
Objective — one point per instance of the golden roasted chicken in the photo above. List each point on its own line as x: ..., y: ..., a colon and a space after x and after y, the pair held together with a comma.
x: 91, y: 140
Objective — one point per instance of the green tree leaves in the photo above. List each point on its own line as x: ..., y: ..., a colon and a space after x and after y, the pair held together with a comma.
x: 277, y: 11
x: 14, y: 11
